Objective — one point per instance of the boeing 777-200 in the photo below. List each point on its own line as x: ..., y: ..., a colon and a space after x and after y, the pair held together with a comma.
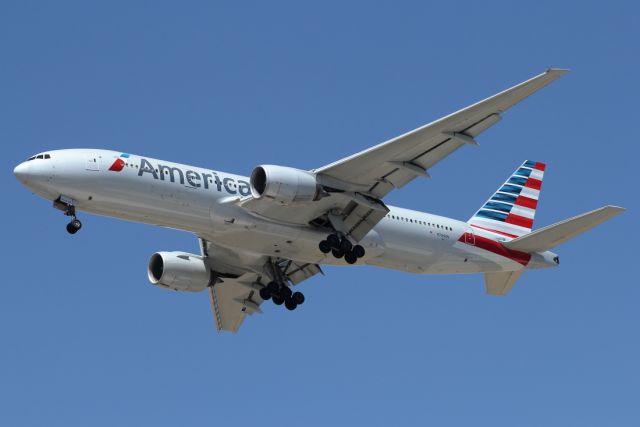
x: 263, y: 234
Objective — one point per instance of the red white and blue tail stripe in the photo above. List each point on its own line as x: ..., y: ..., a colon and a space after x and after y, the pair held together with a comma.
x: 510, y: 211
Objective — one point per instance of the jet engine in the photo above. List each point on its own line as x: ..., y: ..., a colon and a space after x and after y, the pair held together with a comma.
x: 179, y: 271
x: 284, y: 185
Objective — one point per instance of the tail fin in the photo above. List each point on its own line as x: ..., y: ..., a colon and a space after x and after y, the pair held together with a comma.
x: 511, y: 209
x: 553, y: 235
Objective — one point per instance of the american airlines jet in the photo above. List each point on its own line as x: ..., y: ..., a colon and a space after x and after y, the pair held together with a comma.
x: 261, y: 235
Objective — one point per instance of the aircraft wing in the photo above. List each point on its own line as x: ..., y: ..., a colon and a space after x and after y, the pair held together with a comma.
x: 396, y: 162
x: 235, y: 292
x: 358, y: 183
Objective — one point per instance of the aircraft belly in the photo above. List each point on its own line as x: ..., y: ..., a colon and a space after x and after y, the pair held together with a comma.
x: 235, y: 229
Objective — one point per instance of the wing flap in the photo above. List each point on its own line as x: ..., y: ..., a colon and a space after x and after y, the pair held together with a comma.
x: 362, y: 219
x: 232, y: 300
x: 296, y: 272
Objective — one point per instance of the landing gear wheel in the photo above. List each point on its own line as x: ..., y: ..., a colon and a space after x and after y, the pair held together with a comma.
x: 337, y: 253
x: 324, y: 246
x: 273, y: 288
x: 350, y: 257
x: 290, y: 304
x: 264, y: 293
x: 297, y: 297
x: 74, y: 226
x: 358, y: 251
x: 277, y: 300
x: 334, y: 241
x: 285, y: 292
x: 345, y: 245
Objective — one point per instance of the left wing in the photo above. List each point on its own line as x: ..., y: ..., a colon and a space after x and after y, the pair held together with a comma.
x: 234, y: 292
x: 358, y: 183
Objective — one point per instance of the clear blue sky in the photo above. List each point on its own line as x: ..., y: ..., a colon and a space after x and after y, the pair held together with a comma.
x: 86, y: 340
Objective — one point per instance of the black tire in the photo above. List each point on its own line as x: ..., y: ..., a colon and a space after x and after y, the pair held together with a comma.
x: 264, y: 293
x: 71, y: 229
x: 76, y: 224
x: 277, y: 300
x: 286, y: 292
x: 290, y: 304
x: 273, y: 288
x: 337, y: 253
x: 298, y: 297
x: 334, y: 241
x: 358, y: 251
x: 350, y: 257
x: 345, y: 245
x: 324, y: 246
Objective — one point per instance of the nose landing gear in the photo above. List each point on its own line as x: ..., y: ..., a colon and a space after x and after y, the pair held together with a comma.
x: 340, y: 247
x: 74, y: 226
x: 66, y: 205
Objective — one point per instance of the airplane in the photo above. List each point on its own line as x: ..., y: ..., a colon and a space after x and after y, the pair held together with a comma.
x: 261, y: 235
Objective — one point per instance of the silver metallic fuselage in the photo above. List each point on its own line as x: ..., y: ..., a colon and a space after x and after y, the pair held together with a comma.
x: 205, y: 202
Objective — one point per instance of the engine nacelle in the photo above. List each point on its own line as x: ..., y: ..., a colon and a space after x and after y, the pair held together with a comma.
x: 284, y: 185
x: 180, y: 271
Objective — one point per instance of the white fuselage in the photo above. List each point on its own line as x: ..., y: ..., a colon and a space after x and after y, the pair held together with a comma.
x: 204, y: 202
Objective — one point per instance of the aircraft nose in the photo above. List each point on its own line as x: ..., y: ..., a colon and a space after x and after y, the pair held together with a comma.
x: 22, y: 172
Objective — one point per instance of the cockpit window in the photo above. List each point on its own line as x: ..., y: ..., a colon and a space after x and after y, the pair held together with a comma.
x: 40, y: 156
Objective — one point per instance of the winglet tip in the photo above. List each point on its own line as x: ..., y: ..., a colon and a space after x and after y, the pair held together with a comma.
x: 618, y: 209
x: 557, y: 71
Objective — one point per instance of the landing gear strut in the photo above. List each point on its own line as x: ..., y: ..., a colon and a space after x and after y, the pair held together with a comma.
x: 66, y: 205
x: 340, y: 247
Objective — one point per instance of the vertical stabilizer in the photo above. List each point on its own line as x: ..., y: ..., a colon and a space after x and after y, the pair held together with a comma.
x: 512, y: 208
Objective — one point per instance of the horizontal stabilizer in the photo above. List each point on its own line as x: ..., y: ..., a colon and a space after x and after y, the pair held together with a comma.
x: 500, y: 283
x: 553, y: 235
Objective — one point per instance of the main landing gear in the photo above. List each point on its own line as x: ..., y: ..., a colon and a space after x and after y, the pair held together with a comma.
x: 69, y: 210
x: 282, y: 294
x: 340, y: 247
